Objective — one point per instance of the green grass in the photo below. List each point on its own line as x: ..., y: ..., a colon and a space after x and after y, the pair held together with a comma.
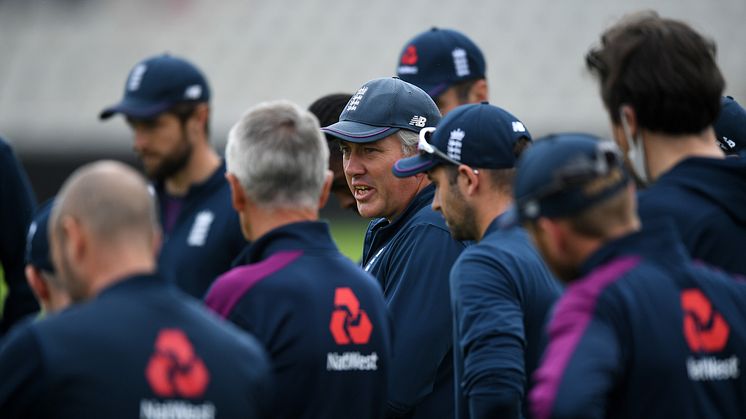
x: 349, y: 234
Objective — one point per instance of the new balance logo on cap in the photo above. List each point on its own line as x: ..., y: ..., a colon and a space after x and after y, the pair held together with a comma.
x: 355, y: 100
x: 193, y: 92
x: 518, y: 126
x: 418, y: 121
x: 136, y: 77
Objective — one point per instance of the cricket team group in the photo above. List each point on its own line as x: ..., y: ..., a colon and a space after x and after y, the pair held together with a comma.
x: 502, y: 275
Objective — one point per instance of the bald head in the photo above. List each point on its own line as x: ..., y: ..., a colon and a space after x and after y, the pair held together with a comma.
x: 111, y: 200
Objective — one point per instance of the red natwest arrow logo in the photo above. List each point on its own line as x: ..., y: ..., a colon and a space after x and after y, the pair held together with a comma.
x: 705, y: 329
x: 174, y: 369
x: 349, y: 323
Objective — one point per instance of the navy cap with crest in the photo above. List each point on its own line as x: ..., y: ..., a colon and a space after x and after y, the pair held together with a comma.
x: 479, y: 135
x: 37, y: 241
x: 563, y: 174
x: 158, y: 83
x: 730, y: 127
x: 380, y: 108
x: 439, y: 58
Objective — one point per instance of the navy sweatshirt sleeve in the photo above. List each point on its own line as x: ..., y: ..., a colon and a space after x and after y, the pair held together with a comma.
x: 581, y: 363
x: 17, y: 204
x: 491, y: 336
x: 21, y: 370
x: 419, y: 306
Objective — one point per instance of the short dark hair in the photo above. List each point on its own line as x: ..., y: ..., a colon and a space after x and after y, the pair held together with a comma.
x: 462, y: 90
x: 184, y: 110
x: 327, y: 110
x: 663, y: 69
x: 502, y: 179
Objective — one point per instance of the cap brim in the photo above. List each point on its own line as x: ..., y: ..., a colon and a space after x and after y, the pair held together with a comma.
x: 413, y: 165
x: 356, y: 132
x: 134, y: 109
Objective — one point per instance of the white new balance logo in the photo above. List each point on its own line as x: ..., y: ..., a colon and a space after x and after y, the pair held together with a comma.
x: 518, y: 127
x: 355, y: 100
x: 418, y: 121
x: 200, y: 228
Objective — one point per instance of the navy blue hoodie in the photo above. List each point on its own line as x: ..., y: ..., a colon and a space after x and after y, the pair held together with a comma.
x: 645, y: 333
x: 706, y: 199
x: 141, y: 348
x: 322, y: 319
x: 17, y: 203
x: 411, y: 258
x: 501, y: 292
x: 206, y: 238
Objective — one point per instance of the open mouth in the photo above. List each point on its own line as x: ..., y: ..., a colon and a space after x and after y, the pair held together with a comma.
x: 362, y: 192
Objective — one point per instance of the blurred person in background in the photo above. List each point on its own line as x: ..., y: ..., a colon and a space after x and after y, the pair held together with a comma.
x: 321, y: 317
x: 17, y: 209
x: 662, y: 89
x: 47, y: 287
x: 447, y: 65
x: 407, y: 247
x: 641, y: 331
x: 327, y: 110
x: 166, y: 103
x: 501, y: 290
x: 132, y: 344
x: 730, y: 127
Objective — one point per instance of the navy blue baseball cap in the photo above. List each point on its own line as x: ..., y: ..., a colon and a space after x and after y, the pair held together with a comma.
x: 380, y: 108
x: 37, y: 241
x: 730, y: 127
x: 156, y: 84
x: 563, y: 174
x: 479, y: 135
x: 439, y: 58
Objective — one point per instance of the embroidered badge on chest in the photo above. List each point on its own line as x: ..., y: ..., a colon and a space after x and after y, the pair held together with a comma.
x: 200, y: 228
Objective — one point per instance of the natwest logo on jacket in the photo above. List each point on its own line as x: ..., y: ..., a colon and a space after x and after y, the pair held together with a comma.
x: 349, y: 323
x: 174, y: 369
x: 706, y: 332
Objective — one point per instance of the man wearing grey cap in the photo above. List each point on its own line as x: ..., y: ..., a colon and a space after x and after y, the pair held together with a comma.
x: 166, y: 103
x: 407, y: 246
x: 641, y: 331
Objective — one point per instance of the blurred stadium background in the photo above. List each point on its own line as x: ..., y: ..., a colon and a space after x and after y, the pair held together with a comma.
x: 63, y: 60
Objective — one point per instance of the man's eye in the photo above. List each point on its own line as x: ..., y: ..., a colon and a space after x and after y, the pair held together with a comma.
x: 369, y: 150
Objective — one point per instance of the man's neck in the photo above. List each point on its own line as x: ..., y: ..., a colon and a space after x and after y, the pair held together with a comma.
x: 109, y: 269
x: 201, y: 166
x: 493, y: 206
x: 666, y: 151
x: 264, y: 220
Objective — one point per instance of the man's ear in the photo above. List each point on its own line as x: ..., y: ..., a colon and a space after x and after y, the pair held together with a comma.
x: 326, y: 188
x: 199, y: 119
x: 239, y: 200
x: 38, y: 286
x: 468, y: 180
x: 78, y: 241
x: 479, y: 91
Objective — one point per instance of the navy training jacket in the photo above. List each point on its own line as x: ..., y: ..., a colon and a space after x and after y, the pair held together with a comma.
x: 706, y: 199
x: 141, y: 348
x: 322, y: 319
x: 645, y: 333
x: 411, y: 258
x: 206, y: 238
x: 501, y: 293
x: 17, y: 204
